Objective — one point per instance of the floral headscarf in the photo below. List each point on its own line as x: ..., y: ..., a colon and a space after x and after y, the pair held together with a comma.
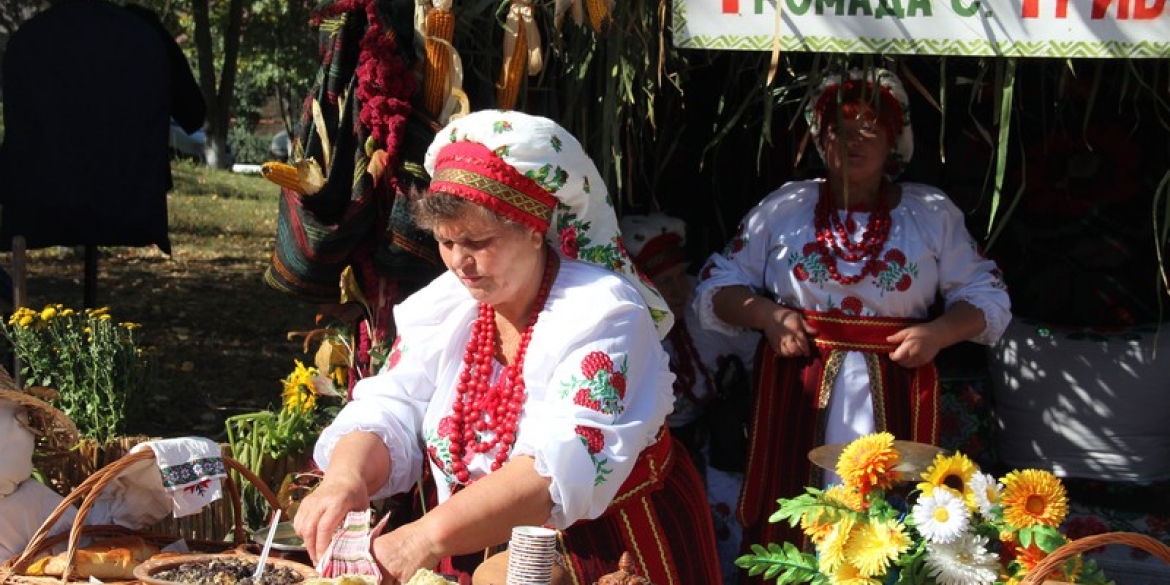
x: 581, y: 222
x: 889, y: 84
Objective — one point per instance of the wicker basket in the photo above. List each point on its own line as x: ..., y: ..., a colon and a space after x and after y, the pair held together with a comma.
x: 1050, y: 563
x: 85, y: 496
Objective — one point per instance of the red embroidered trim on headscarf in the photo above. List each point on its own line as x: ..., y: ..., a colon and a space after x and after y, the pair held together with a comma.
x: 660, y: 254
x: 472, y: 171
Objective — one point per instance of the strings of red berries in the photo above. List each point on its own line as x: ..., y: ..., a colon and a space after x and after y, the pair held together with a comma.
x: 385, y: 84
x: 834, y: 241
x: 486, y: 415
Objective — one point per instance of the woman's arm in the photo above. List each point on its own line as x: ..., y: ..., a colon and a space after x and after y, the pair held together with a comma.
x: 919, y: 344
x: 784, y: 328
x: 479, y: 516
x: 359, y: 466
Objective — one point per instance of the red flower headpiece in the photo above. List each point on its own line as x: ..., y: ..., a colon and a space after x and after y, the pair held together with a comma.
x: 472, y: 171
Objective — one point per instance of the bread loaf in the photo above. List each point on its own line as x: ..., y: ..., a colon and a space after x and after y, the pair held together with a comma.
x: 112, y: 558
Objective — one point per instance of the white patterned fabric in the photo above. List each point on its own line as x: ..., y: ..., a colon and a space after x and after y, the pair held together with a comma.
x: 595, y: 369
x: 584, y: 226
x: 929, y: 251
x: 185, y: 475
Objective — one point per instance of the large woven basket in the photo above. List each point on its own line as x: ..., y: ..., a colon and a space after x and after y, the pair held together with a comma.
x: 86, y: 495
x: 1053, y: 561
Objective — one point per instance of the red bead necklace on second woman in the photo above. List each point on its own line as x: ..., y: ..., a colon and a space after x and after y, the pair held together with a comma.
x: 834, y: 237
x: 481, y: 408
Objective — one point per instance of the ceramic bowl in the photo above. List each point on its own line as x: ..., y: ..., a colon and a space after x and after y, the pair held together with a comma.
x: 145, y: 572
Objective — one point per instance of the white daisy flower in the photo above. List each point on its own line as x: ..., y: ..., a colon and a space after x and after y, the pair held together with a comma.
x: 987, y: 492
x: 965, y: 561
x: 941, y: 517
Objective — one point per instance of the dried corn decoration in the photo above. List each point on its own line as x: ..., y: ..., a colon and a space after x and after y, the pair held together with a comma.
x: 573, y: 7
x: 522, y: 53
x: 600, y: 13
x: 305, y: 178
x: 439, y: 31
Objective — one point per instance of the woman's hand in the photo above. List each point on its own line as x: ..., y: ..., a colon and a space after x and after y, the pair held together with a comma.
x: 324, y: 510
x: 403, y: 552
x: 788, y: 333
x: 917, y: 345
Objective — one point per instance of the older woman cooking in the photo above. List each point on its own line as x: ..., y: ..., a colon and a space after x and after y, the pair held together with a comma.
x: 842, y: 275
x: 530, y: 377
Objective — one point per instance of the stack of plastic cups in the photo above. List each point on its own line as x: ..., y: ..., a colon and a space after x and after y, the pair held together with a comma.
x: 531, y: 554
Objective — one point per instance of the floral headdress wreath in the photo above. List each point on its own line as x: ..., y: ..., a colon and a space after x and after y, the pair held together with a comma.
x: 888, y: 83
x: 546, y: 182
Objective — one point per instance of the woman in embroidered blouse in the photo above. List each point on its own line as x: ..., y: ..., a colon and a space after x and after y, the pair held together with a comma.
x: 841, y: 276
x: 532, y: 383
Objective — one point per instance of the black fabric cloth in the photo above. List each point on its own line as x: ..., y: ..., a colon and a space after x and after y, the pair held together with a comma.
x: 89, y: 91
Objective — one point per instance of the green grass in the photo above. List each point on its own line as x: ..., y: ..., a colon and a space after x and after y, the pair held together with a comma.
x: 211, y: 203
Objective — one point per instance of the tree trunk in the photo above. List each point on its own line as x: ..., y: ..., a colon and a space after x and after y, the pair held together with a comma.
x: 218, y: 96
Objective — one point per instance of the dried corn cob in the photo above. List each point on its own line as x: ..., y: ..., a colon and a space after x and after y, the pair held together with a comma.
x: 599, y: 14
x: 440, y: 29
x: 512, y: 74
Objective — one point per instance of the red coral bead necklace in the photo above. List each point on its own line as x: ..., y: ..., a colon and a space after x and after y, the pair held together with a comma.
x: 834, y: 235
x: 487, y: 415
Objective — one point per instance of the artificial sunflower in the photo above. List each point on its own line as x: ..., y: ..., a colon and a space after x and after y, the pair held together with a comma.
x: 951, y: 472
x: 868, y: 463
x: 875, y: 545
x: 1033, y: 497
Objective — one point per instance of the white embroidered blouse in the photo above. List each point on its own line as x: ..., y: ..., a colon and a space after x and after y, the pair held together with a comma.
x: 596, y: 376
x: 928, y: 252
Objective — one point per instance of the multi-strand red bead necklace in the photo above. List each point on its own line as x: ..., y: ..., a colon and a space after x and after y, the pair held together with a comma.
x: 486, y: 415
x: 834, y: 236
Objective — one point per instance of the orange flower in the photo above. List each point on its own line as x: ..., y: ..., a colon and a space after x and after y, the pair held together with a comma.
x: 868, y: 463
x: 1033, y: 497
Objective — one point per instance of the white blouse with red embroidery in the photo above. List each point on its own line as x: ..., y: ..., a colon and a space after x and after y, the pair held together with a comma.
x: 597, y: 381
x: 928, y: 252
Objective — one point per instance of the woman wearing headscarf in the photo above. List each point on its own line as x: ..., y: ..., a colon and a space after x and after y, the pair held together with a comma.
x: 529, y: 378
x: 842, y: 275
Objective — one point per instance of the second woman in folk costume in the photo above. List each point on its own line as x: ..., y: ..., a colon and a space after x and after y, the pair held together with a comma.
x: 529, y: 378
x: 842, y: 275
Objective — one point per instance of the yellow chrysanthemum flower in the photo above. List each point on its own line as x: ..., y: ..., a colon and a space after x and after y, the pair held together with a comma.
x: 847, y: 574
x: 48, y: 313
x: 951, y: 472
x: 868, y: 463
x: 839, y: 494
x: 817, y: 524
x: 298, y: 389
x: 875, y: 545
x: 1033, y: 497
x: 26, y: 321
x: 832, y: 548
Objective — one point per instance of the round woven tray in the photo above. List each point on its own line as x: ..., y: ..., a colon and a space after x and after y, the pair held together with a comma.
x: 1050, y: 563
x: 86, y: 495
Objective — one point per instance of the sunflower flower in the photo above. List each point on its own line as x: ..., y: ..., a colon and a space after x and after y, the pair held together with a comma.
x: 298, y: 392
x: 1033, y: 497
x: 875, y: 545
x: 950, y: 472
x: 868, y: 463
